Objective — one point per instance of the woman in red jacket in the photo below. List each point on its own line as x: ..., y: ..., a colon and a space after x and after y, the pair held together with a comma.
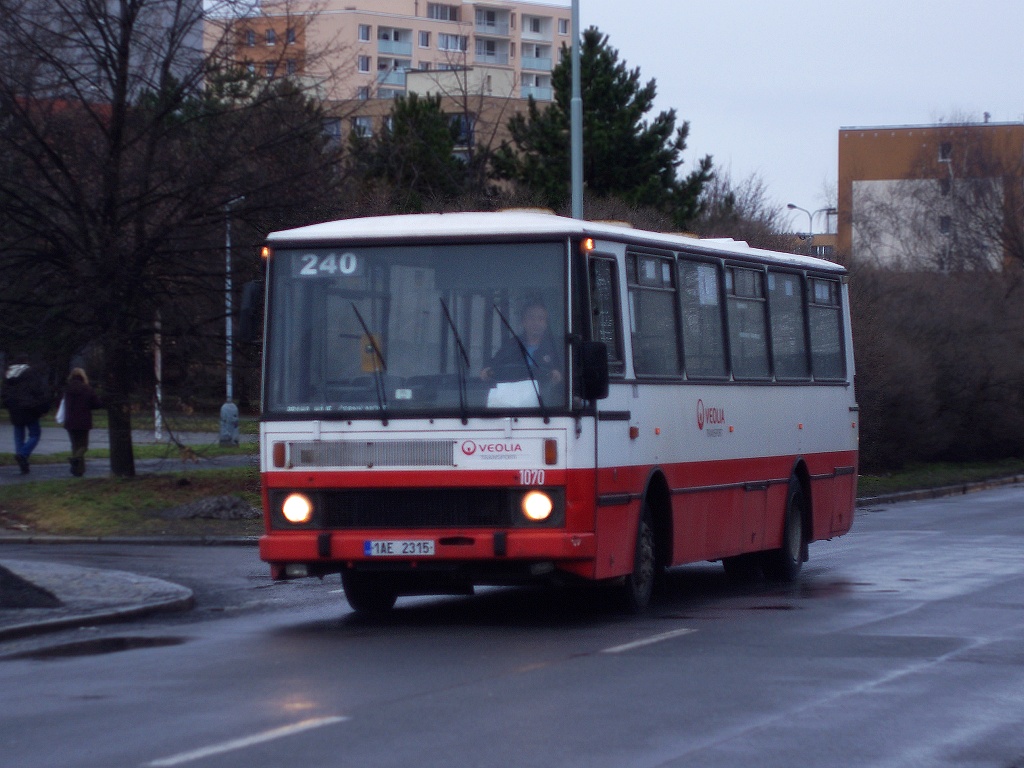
x: 79, y: 402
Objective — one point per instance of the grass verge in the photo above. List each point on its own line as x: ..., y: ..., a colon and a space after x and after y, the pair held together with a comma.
x: 127, y: 507
x: 939, y: 475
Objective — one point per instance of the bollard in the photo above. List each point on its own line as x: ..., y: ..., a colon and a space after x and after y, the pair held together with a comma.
x: 229, y: 424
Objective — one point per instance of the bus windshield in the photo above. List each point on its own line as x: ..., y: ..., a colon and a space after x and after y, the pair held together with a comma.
x: 385, y: 331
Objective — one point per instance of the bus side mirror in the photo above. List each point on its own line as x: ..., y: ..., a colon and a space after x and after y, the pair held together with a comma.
x: 594, y: 370
x: 249, y: 313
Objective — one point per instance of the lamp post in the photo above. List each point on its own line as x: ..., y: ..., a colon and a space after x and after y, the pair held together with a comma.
x: 810, y: 217
x: 228, y: 411
x: 828, y: 211
x: 576, y: 118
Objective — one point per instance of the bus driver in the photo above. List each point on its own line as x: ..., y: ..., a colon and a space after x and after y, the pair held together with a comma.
x: 541, y: 354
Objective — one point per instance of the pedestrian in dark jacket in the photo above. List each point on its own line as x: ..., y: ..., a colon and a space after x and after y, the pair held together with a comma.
x: 26, y: 396
x: 79, y: 402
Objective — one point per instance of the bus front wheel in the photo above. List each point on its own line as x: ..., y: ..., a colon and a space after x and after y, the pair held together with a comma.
x: 639, y: 585
x: 367, y: 594
x: 784, y: 564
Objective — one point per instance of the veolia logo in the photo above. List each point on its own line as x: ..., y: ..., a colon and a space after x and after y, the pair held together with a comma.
x: 470, y: 447
x: 711, y: 415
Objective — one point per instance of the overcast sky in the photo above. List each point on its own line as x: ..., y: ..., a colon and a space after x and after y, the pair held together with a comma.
x: 767, y: 84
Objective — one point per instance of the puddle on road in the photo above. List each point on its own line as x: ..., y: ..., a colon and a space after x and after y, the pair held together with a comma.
x: 95, y: 647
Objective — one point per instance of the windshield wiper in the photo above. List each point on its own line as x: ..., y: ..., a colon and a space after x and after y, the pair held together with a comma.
x: 461, y: 364
x: 378, y: 370
x: 526, y: 361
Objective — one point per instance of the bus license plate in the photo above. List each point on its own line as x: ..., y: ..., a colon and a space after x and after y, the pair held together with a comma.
x: 398, y: 548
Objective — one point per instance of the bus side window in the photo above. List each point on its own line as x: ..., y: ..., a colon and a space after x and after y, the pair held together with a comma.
x: 748, y: 338
x: 703, y: 334
x: 652, y: 310
x: 827, y: 360
x: 789, y: 334
x: 605, y: 325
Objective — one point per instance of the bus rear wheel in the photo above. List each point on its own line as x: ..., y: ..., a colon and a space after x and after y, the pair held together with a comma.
x: 367, y: 593
x: 784, y: 564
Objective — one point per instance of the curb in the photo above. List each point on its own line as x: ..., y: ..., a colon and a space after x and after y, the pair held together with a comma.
x: 89, y: 596
x: 940, y: 492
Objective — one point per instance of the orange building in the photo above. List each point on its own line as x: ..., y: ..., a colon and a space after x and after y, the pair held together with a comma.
x: 932, y: 196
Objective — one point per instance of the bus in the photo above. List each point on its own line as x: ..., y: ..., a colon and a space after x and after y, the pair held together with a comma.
x: 467, y: 399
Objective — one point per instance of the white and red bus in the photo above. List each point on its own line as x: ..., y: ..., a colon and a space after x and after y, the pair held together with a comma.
x: 462, y: 399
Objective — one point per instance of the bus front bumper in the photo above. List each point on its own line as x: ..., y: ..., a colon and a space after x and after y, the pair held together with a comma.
x: 323, y: 552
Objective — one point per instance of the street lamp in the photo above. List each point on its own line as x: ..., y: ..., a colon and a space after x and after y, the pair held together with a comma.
x: 228, y: 411
x: 828, y: 211
x: 810, y: 217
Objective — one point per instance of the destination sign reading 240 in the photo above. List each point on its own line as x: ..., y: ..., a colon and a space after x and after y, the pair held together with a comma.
x: 326, y: 264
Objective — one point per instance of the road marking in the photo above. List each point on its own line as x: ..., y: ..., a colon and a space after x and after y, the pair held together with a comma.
x: 648, y: 641
x: 247, y: 741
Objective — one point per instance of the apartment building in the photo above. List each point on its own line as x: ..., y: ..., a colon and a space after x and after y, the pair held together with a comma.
x: 366, y: 49
x: 943, y: 196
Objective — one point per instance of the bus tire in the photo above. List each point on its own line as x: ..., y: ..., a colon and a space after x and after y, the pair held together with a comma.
x: 784, y: 564
x: 639, y: 585
x: 367, y: 594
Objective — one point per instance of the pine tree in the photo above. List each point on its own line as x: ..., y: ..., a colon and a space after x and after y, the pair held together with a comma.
x: 624, y: 156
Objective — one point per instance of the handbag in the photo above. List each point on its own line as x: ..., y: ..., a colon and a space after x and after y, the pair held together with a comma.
x: 60, y: 412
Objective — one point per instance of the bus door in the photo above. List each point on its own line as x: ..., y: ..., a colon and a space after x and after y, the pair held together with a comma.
x: 617, y: 505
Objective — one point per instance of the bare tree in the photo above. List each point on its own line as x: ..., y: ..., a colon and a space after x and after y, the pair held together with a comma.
x: 125, y: 144
x: 742, y: 211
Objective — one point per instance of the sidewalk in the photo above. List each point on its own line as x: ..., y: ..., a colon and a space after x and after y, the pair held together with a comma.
x: 87, y: 596
x: 55, y: 440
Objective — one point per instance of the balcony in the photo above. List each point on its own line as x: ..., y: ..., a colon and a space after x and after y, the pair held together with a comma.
x: 539, y: 93
x: 482, y: 57
x: 392, y: 77
x: 495, y: 28
x: 541, y: 63
x: 394, y: 48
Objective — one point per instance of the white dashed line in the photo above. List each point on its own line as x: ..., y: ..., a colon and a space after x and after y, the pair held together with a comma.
x: 247, y: 741
x: 648, y: 641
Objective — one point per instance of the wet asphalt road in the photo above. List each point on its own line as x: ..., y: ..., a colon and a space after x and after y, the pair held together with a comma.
x: 902, y: 645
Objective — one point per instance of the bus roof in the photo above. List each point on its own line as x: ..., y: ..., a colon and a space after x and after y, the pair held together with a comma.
x: 509, y: 225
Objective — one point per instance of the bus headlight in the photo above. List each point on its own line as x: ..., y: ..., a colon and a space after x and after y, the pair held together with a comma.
x: 297, y: 509
x: 537, y: 506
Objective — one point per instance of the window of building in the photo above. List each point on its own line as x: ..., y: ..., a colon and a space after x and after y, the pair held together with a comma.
x: 703, y: 333
x: 442, y: 12
x: 533, y: 25
x: 652, y: 315
x: 364, y: 33
x: 362, y: 126
x: 945, y: 225
x: 271, y: 37
x: 563, y: 26
x: 748, y: 337
x: 945, y: 152
x: 363, y: 92
x: 452, y: 43
x: 291, y: 67
x: 250, y: 38
x: 605, y: 324
x: 789, y: 334
x: 332, y: 129
x: 363, y: 63
x: 424, y: 39
x: 271, y: 68
x: 289, y: 36
x: 462, y: 127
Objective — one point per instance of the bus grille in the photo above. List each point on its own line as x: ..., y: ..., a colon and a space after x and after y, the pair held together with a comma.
x: 374, y: 453
x: 418, y: 508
